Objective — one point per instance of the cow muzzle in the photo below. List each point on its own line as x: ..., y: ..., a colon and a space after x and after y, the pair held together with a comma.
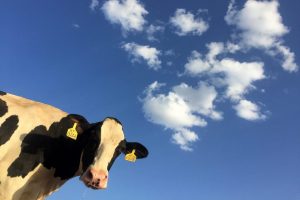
x: 95, y: 179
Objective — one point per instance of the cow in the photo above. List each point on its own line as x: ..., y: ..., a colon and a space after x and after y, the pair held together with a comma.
x: 41, y: 147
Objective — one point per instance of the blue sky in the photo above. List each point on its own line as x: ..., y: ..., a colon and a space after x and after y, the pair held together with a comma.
x: 210, y: 87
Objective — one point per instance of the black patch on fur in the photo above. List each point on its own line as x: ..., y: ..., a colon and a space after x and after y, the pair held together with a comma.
x: 91, y: 146
x: 2, y: 93
x: 3, y: 108
x: 52, y: 148
x: 7, y: 128
x: 120, y: 148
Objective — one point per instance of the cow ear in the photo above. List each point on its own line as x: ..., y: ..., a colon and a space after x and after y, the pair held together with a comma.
x: 81, y: 123
x: 139, y: 150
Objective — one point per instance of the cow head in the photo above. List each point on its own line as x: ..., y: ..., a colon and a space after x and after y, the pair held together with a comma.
x: 105, y: 143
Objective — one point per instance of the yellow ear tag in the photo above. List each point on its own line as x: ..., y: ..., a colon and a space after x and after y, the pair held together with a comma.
x: 131, y: 157
x: 72, y: 133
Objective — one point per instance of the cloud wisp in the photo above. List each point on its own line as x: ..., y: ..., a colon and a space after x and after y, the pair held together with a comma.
x: 94, y: 4
x: 152, y: 30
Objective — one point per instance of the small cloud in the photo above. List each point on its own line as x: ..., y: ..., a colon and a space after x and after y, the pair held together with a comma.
x: 127, y: 13
x: 144, y: 52
x: 249, y: 111
x: 94, y: 4
x: 187, y: 23
x: 184, y: 138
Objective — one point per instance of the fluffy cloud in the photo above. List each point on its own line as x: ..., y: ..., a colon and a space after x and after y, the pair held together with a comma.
x: 94, y: 4
x: 128, y: 13
x: 237, y: 77
x: 196, y: 65
x: 181, y: 109
x: 259, y: 21
x: 187, y: 23
x: 143, y: 52
x: 200, y: 99
x: 260, y: 26
x: 248, y: 110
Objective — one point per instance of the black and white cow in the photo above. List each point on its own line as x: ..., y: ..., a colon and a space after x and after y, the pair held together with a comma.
x: 41, y: 147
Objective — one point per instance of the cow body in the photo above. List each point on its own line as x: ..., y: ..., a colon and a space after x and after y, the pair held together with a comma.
x: 37, y: 156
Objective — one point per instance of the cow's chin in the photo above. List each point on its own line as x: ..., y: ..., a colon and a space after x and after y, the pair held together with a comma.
x: 87, y: 184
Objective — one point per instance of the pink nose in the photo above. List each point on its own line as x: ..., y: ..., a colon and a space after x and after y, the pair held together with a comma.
x: 96, y: 179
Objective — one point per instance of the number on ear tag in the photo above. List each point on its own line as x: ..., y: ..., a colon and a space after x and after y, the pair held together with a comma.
x: 131, y: 157
x: 72, y: 133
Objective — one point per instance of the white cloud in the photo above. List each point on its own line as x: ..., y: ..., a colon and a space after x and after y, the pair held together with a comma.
x: 260, y: 22
x: 260, y: 26
x: 144, y: 52
x: 187, y: 23
x: 248, y: 110
x: 237, y: 77
x: 181, y: 109
x: 200, y: 100
x: 169, y: 110
x: 232, y: 48
x: 128, y: 13
x: 215, y: 49
x: 94, y: 4
x: 196, y: 65
x: 152, y: 30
